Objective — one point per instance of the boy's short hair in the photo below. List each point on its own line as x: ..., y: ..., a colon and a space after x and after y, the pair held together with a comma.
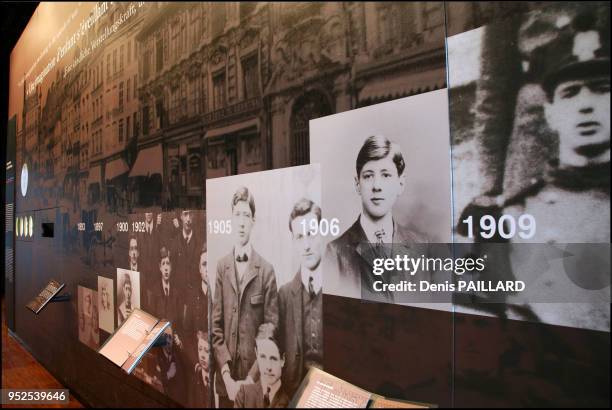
x: 243, y: 194
x: 203, y: 335
x: 164, y: 253
x: 127, y: 279
x: 268, y: 331
x: 378, y: 147
x: 301, y: 208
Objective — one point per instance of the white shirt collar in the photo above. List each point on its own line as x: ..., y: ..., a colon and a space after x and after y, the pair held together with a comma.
x: 273, y: 389
x: 317, y: 278
x: 370, y: 228
x: 134, y: 267
x: 247, y: 249
x: 204, y: 288
x: 150, y: 227
x: 187, y: 237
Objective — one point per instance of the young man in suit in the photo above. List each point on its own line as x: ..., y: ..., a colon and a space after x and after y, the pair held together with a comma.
x: 167, y: 297
x: 300, y: 301
x: 269, y: 391
x: 125, y: 308
x: 170, y: 367
x: 197, y: 317
x: 133, y: 253
x: 199, y: 393
x: 188, y: 247
x: 245, y: 297
x: 197, y: 309
x: 379, y: 181
x: 148, y: 242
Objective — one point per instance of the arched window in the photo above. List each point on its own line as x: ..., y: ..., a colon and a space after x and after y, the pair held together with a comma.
x: 309, y: 106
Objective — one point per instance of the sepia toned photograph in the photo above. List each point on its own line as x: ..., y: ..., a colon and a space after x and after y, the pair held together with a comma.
x: 386, y: 179
x: 106, y: 304
x: 88, y: 317
x: 266, y: 277
x: 128, y: 293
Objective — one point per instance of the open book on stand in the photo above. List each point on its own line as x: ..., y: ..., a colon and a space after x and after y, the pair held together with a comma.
x: 322, y: 390
x: 133, y: 339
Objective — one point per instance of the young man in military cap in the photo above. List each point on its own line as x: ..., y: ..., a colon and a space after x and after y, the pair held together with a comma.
x: 571, y: 202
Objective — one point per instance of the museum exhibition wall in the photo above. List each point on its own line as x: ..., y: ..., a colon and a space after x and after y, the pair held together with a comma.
x: 255, y: 174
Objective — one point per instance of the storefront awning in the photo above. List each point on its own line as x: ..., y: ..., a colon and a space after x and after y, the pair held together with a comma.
x: 115, y: 168
x: 230, y: 129
x: 94, y: 175
x: 388, y: 88
x: 148, y: 162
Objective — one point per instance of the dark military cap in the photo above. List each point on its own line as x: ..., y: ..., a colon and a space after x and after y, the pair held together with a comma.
x: 581, y: 50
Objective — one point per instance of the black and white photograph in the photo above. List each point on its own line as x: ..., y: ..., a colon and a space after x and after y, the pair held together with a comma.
x: 88, y: 317
x: 265, y: 268
x: 106, y: 304
x: 128, y: 293
x: 530, y: 122
x: 385, y: 179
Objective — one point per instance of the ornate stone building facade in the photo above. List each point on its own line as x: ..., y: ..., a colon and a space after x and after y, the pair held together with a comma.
x: 228, y: 88
x: 189, y: 91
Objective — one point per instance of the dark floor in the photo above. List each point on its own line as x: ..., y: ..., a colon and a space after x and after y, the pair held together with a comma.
x: 21, y: 371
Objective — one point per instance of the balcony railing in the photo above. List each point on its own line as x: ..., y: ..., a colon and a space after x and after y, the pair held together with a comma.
x: 98, y: 87
x: 187, y: 109
x: 97, y: 122
x: 233, y: 110
x: 118, y: 74
x: 118, y: 110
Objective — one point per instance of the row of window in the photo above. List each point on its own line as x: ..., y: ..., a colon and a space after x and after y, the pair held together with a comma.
x: 190, y: 97
x: 127, y: 128
x: 185, y: 160
x: 96, y: 142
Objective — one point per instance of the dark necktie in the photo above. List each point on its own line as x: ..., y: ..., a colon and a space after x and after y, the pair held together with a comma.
x: 379, y: 237
x: 243, y: 258
x: 311, y: 288
x: 379, y: 242
x: 267, y: 398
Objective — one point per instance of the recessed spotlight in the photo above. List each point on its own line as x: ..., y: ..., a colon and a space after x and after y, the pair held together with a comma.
x: 24, y: 179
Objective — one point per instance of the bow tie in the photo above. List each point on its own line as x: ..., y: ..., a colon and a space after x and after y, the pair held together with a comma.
x: 243, y: 258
